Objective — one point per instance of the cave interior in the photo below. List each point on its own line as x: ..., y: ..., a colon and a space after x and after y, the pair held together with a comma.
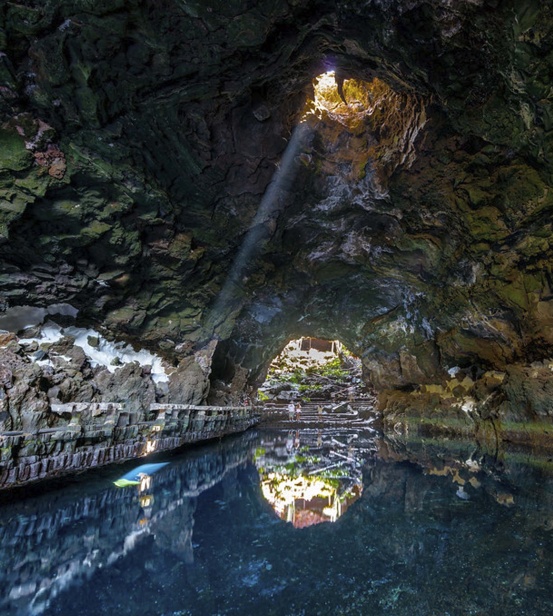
x: 206, y: 181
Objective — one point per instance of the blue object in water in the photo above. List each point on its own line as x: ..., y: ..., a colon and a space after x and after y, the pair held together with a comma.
x: 132, y: 478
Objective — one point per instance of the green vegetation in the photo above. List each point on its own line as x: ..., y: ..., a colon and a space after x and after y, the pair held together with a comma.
x: 331, y: 370
x: 303, y: 388
x: 259, y: 452
x: 310, y: 374
x: 296, y: 376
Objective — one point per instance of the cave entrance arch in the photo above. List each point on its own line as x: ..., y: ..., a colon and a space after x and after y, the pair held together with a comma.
x: 313, y: 370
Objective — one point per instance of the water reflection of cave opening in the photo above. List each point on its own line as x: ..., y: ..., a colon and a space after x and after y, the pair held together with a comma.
x: 311, y: 477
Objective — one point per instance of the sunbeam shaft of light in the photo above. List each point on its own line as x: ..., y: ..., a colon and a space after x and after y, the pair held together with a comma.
x: 260, y: 228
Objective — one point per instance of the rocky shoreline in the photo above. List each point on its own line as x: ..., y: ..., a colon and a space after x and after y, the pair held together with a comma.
x: 61, y: 411
x: 494, y: 408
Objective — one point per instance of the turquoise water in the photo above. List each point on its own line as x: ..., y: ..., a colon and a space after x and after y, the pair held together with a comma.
x: 279, y: 522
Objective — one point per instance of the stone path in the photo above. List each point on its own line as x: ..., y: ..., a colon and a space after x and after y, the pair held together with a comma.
x: 88, y: 435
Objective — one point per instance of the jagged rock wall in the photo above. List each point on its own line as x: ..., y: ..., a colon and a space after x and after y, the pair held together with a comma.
x: 495, y: 408
x: 139, y: 139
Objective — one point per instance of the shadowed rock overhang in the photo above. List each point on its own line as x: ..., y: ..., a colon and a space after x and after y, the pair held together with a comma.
x: 412, y: 220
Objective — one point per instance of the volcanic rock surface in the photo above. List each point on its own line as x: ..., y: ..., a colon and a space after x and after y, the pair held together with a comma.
x: 166, y: 170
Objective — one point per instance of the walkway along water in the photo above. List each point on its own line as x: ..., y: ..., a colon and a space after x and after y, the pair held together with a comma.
x: 88, y: 435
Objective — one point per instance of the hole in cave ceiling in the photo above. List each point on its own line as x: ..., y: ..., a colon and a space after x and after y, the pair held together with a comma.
x: 347, y: 101
x: 364, y: 125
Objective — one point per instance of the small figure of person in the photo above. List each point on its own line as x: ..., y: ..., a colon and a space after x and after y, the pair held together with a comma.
x: 298, y: 411
x: 320, y: 409
x: 291, y: 410
x: 290, y: 441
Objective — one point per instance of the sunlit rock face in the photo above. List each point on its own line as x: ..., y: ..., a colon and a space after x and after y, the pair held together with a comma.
x: 410, y: 218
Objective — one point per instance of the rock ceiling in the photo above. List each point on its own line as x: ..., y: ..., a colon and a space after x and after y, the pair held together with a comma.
x: 411, y: 220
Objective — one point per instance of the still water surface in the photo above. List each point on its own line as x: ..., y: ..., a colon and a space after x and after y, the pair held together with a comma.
x: 280, y: 522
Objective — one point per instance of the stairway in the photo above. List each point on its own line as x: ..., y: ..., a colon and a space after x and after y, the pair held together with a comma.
x: 357, y: 411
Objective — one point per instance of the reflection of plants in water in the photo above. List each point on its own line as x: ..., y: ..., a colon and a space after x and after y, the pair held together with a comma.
x: 347, y: 495
x: 297, y: 466
x: 303, y: 491
x: 259, y: 452
x: 278, y: 486
x: 307, y: 460
x: 313, y: 481
x: 332, y: 472
x: 305, y: 500
x: 291, y: 469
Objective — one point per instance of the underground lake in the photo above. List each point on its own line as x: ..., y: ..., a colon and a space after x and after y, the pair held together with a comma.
x: 289, y: 519
x: 276, y: 307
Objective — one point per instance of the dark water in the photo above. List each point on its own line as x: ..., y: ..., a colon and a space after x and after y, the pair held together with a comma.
x: 419, y: 528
